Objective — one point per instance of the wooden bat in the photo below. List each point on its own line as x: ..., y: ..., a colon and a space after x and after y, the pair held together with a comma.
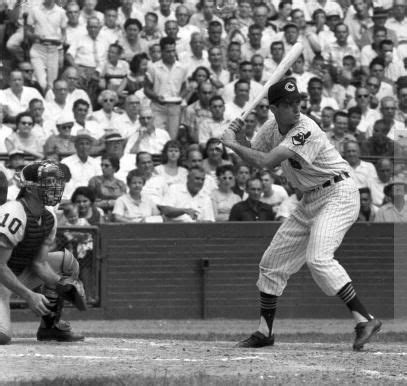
x: 278, y: 74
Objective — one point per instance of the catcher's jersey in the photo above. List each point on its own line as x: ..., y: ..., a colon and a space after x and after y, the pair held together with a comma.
x: 13, y: 221
x: 315, y: 160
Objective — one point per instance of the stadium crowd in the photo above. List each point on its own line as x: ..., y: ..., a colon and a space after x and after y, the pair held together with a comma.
x: 132, y: 97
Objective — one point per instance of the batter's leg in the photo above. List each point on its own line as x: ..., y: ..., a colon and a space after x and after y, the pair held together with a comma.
x: 283, y: 257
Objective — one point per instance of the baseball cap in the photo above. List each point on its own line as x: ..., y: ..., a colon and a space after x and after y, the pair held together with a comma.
x: 84, y: 134
x: 116, y: 136
x: 284, y: 91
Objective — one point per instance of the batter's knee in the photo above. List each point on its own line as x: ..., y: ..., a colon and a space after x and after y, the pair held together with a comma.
x: 4, y: 339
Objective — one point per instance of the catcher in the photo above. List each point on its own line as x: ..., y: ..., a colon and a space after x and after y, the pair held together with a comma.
x: 27, y: 229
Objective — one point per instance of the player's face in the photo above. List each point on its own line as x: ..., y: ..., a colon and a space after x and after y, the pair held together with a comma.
x: 255, y: 190
x: 287, y: 114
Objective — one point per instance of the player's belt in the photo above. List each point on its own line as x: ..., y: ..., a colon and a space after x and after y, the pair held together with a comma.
x: 336, y: 179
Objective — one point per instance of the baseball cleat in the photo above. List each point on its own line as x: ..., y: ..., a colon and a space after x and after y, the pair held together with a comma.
x: 257, y: 340
x: 60, y: 332
x: 364, y: 331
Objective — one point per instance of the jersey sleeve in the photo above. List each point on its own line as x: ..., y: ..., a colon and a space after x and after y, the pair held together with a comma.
x: 263, y: 138
x: 305, y: 140
x: 51, y: 237
x: 12, y: 221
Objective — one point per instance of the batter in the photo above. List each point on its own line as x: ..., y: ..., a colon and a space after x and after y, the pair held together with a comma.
x: 329, y: 207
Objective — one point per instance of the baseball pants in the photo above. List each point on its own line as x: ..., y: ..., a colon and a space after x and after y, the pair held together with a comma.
x: 311, y: 236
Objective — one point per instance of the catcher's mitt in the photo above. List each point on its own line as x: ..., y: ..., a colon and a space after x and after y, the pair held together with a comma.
x: 72, y: 290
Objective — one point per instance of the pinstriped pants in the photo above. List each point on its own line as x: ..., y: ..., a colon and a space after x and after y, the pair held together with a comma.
x: 311, y: 235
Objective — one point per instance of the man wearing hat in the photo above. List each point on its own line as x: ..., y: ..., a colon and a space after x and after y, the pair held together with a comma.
x: 395, y: 210
x: 81, y: 165
x: 27, y: 231
x: 379, y: 17
x: 313, y: 232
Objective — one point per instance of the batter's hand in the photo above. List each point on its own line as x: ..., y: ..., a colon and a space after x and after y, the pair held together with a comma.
x: 38, y: 304
x: 237, y: 125
x: 228, y: 137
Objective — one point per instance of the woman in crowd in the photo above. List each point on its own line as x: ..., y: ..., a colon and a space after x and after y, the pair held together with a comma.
x: 131, y: 42
x: 106, y: 187
x: 134, y: 206
x: 23, y: 138
x: 170, y: 168
x: 223, y: 197
x: 106, y: 117
x: 200, y: 75
x: 215, y: 155
x: 134, y: 81
x: 84, y: 198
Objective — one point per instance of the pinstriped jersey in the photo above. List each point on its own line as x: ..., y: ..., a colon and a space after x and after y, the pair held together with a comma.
x: 315, y: 160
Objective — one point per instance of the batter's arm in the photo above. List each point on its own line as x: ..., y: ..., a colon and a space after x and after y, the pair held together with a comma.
x: 254, y: 157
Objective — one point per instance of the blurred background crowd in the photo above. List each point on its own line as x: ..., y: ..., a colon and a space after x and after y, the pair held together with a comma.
x: 132, y: 97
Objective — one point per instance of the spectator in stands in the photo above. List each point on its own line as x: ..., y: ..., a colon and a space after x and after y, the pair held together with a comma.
x: 71, y: 218
x: 384, y: 168
x: 393, y: 66
x: 155, y: 186
x: 205, y: 16
x: 252, y: 209
x: 199, y: 76
x: 189, y: 202
x: 363, y: 172
x: 148, y: 138
x: 378, y: 90
x: 80, y: 112
x: 250, y: 128
x: 42, y: 128
x: 244, y: 13
x: 150, y: 33
x: 166, y: 96
x: 131, y: 42
x: 84, y: 198
x: 398, y: 21
x: 394, y: 129
x: 371, y: 51
x: 82, y: 167
x: 332, y: 87
x: 233, y: 57
x: 355, y: 115
x: 23, y: 139
x: 242, y: 176
x: 115, y: 70
x: 395, y: 210
x: 236, y: 107
x: 223, y: 197
x: 46, y: 25
x: 186, y: 30
x: 272, y: 194
x: 58, y: 105
x: 358, y: 22
x: 74, y: 30
x: 215, y: 155
x: 316, y: 100
x: 5, y: 131
x: 27, y: 70
x: 301, y: 76
x: 111, y: 30
x: 246, y: 74
x: 88, y: 55
x: 170, y: 168
x: 129, y: 10
x: 340, y: 135
x: 135, y: 206
x: 171, y: 31
x: 253, y: 45
x: 277, y: 53
x: 367, y: 211
x: 16, y: 98
x: 219, y: 76
x: 134, y: 81
x: 106, y: 118
x: 369, y: 116
x: 327, y: 117
x: 128, y: 120
x: 198, y: 111
x: 88, y: 11
x: 260, y: 14
x: 260, y: 75
x: 379, y: 17
x: 262, y: 111
x: 61, y: 144
x: 379, y: 144
x: 341, y: 47
x: 196, y: 56
x: 401, y: 112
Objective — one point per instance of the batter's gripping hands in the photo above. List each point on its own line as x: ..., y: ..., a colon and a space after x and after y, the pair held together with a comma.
x: 72, y: 290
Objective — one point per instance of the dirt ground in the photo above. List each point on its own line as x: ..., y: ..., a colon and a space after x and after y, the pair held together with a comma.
x: 202, y: 353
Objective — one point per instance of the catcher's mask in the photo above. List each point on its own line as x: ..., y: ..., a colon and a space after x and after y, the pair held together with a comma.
x: 47, y: 177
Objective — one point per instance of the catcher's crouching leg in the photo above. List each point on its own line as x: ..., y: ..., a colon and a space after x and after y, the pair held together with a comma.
x: 68, y: 288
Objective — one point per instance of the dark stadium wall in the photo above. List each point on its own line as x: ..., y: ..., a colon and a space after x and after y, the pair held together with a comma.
x: 210, y: 271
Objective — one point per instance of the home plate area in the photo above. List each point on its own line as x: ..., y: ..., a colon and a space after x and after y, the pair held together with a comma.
x: 115, y: 361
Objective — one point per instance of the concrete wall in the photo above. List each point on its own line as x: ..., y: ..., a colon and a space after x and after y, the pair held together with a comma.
x: 210, y: 270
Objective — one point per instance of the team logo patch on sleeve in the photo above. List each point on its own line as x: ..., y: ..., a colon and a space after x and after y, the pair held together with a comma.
x: 300, y: 138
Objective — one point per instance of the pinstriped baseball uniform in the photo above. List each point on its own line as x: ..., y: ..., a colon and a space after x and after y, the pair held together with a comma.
x: 317, y: 226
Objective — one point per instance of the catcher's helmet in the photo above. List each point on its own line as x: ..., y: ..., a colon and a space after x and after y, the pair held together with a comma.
x: 46, y: 176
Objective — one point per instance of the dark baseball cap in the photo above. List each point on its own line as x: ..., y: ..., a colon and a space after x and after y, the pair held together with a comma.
x: 285, y: 90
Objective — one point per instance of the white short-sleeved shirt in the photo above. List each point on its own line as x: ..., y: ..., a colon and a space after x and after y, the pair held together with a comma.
x: 155, y: 188
x: 152, y: 143
x: 15, y: 105
x: 14, y: 220
x: 179, y: 178
x: 48, y: 23
x: 178, y: 196
x: 315, y: 160
x: 127, y: 207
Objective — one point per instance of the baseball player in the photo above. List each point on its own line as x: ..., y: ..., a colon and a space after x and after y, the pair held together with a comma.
x: 27, y: 229
x: 314, y: 231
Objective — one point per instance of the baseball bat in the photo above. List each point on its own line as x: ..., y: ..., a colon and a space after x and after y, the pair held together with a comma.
x: 278, y: 73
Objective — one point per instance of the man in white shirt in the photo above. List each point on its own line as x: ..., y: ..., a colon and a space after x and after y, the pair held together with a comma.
x: 58, y: 106
x: 237, y: 106
x: 80, y: 112
x: 74, y: 30
x: 196, y: 56
x: 47, y: 28
x: 398, y: 23
x: 148, y: 138
x: 110, y: 31
x: 43, y: 128
x: 81, y: 165
x: 384, y: 168
x: 128, y: 123
x: 189, y: 203
x: 16, y: 98
x: 272, y: 194
x: 185, y: 29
